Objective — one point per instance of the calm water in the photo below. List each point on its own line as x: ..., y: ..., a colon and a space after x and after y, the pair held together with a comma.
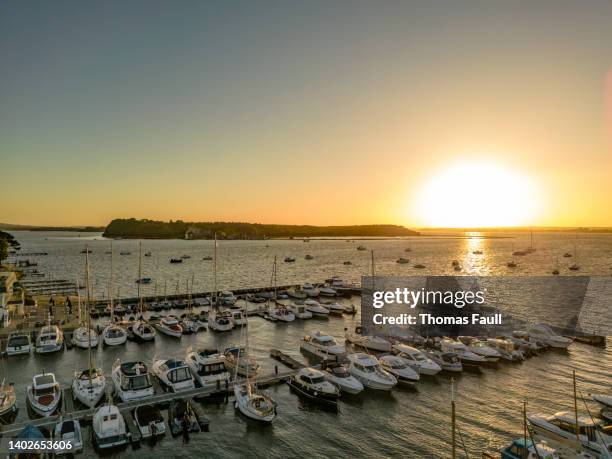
x: 403, y: 423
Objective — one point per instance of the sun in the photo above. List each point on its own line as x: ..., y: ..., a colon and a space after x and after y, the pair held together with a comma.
x: 477, y: 195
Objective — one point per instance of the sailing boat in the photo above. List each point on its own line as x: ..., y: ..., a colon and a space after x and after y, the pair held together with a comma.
x: 278, y: 311
x: 555, y: 270
x: 84, y: 337
x: 249, y: 400
x: 8, y: 399
x: 89, y: 384
x: 190, y: 321
x: 142, y: 330
x: 512, y: 263
x: 113, y: 334
x: 575, y: 266
x: 218, y: 319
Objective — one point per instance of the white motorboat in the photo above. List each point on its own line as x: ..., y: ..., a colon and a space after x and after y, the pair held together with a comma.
x: 69, y: 432
x: 169, y: 326
x: 560, y: 429
x: 191, y: 323
x: 149, y: 421
x: 143, y: 331
x: 506, y: 349
x: 173, y: 374
x: 300, y: 311
x: 50, y: 339
x: 334, y: 308
x: 327, y: 291
x: 279, y: 312
x: 8, y: 401
x: 88, y: 386
x: 603, y: 400
x: 340, y: 376
x: 44, y: 395
x: 208, y: 367
x: 468, y: 358
x: 227, y: 298
x: 114, y: 335
x: 253, y: 404
x: 416, y: 359
x: 542, y: 332
x: 316, y: 309
x: 84, y: 337
x: 448, y: 361
x: 483, y: 349
x: 310, y: 290
x: 519, y: 450
x: 367, y: 369
x: 237, y: 361
x: 132, y: 381
x: 220, y: 320
x: 203, y: 301
x: 109, y: 429
x: 322, y: 346
x: 297, y: 293
x: 312, y: 384
x: 399, y: 368
x: 18, y: 343
x: 373, y: 343
x: 238, y: 316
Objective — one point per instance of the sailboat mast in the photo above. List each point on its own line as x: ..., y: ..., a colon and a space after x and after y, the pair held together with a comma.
x: 525, y: 426
x: 139, y: 275
x: 576, y: 407
x: 110, y: 286
x: 87, y: 312
x: 215, y: 296
x: 274, y: 274
x: 453, y: 421
x: 79, y: 299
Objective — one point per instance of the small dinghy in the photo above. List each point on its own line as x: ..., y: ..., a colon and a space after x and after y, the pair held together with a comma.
x: 69, y: 432
x: 149, y: 421
x: 44, y: 395
x: 181, y: 416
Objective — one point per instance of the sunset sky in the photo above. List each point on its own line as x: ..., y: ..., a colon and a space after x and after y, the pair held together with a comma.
x: 331, y: 112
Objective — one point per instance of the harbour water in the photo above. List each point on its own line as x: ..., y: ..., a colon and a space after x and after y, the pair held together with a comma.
x: 402, y: 423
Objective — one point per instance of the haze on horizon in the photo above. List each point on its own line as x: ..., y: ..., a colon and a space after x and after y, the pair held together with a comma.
x: 324, y: 113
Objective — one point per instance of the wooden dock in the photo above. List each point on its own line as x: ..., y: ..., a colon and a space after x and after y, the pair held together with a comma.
x: 69, y: 409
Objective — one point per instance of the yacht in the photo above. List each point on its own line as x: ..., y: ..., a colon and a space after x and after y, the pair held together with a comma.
x: 448, y: 361
x: 220, y: 320
x: 604, y: 400
x: 208, y: 367
x: 416, y: 359
x: 340, y: 376
x: 327, y: 291
x: 300, y: 311
x: 50, y: 339
x: 519, y: 450
x: 506, y: 349
x: 84, y: 337
x: 542, y: 332
x: 481, y: 348
x: 191, y: 323
x: 237, y: 361
x: 372, y: 343
x: 227, y: 298
x: 169, y: 326
x: 69, y: 432
x: 173, y: 374
x: 398, y: 367
x: 279, y: 312
x: 88, y: 386
x: 132, y: 381
x: 18, y: 343
x: 238, y: 316
x: 315, y: 308
x: 313, y: 385
x: 8, y: 401
x: 322, y: 346
x: 114, y: 335
x: 310, y: 290
x: 334, y: 308
x: 143, y: 331
x: 368, y: 371
x: 149, y: 421
x: 560, y: 429
x: 109, y: 430
x: 44, y: 395
x: 467, y: 357
x: 297, y: 293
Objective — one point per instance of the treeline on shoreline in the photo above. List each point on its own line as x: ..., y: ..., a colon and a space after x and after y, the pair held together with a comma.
x: 151, y: 229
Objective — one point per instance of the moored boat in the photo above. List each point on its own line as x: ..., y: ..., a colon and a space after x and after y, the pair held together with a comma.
x: 367, y: 369
x: 109, y: 429
x: 175, y: 375
x: 132, y: 380
x: 312, y: 384
x: 44, y: 395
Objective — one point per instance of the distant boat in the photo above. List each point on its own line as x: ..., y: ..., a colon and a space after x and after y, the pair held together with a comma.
x: 147, y: 254
x: 289, y: 259
x: 176, y: 260
x: 477, y: 252
x: 403, y: 261
x: 144, y: 280
x: 125, y: 253
x: 361, y: 247
x: 86, y: 251
x: 419, y: 266
x: 555, y: 270
x: 347, y: 263
x: 207, y: 258
x: 308, y: 257
x: 512, y: 263
x: 575, y: 266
